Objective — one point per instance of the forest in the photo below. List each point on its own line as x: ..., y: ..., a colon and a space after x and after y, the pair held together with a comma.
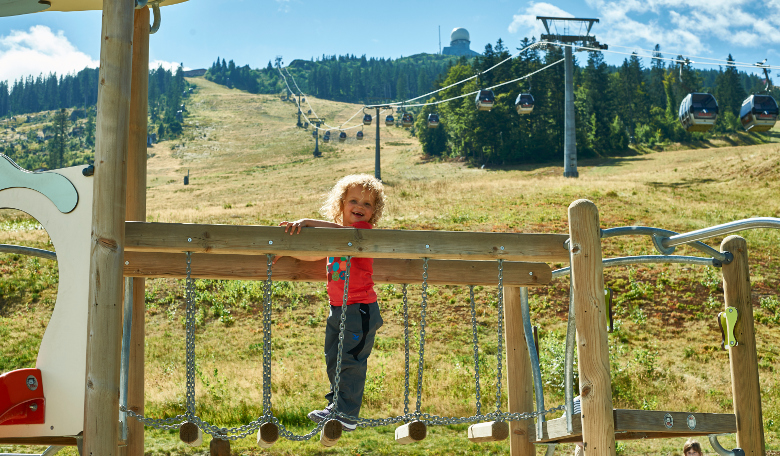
x: 617, y: 107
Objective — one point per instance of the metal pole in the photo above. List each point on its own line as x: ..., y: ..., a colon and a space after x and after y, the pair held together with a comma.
x: 377, y: 162
x: 569, y: 135
x: 317, y: 141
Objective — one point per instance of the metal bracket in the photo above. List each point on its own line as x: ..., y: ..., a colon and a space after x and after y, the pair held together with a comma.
x: 658, y: 243
x: 722, y: 451
x: 727, y: 320
x: 157, y: 19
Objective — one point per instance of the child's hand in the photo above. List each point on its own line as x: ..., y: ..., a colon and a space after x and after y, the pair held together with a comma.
x: 292, y: 226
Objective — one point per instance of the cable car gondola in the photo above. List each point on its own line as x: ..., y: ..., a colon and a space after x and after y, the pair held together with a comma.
x: 389, y: 121
x: 433, y: 120
x: 367, y: 119
x: 303, y: 100
x: 407, y: 120
x: 758, y: 113
x: 326, y: 138
x: 342, y: 136
x: 698, y: 112
x: 314, y: 133
x: 524, y: 103
x: 484, y: 100
x: 359, y: 135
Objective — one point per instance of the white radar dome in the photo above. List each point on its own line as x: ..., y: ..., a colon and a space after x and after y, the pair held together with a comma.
x: 459, y: 34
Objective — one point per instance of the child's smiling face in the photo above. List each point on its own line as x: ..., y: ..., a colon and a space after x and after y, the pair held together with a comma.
x: 358, y: 206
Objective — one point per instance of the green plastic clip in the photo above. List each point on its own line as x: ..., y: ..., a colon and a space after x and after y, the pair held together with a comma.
x: 728, y: 320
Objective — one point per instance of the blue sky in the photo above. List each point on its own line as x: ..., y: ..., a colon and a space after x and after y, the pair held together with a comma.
x: 255, y: 31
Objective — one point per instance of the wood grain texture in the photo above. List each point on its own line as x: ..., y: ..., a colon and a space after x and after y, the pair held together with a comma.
x: 267, y: 435
x: 219, y: 447
x: 743, y: 359
x: 493, y: 431
x: 591, y: 323
x: 410, y: 433
x: 641, y: 424
x: 45, y: 440
x: 108, y: 223
x: 331, y: 433
x: 254, y: 267
x: 258, y: 240
x: 136, y: 210
x: 519, y: 377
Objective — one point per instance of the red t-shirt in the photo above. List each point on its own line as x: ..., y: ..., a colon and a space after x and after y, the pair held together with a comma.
x: 361, y: 282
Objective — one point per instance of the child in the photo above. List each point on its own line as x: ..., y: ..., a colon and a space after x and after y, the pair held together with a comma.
x: 692, y: 448
x: 355, y: 201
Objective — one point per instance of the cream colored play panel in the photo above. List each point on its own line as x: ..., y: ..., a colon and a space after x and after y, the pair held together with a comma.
x: 17, y: 7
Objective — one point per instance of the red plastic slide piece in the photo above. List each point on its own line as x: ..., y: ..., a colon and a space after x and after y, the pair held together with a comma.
x: 21, y: 397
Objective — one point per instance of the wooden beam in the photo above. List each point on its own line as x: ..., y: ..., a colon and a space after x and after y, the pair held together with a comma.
x: 258, y: 240
x: 519, y: 377
x: 642, y: 424
x: 47, y: 440
x: 743, y: 358
x: 593, y: 351
x: 101, y: 409
x: 136, y: 210
x: 254, y: 267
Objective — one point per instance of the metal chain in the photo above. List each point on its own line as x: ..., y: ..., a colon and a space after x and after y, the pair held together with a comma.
x: 190, y: 340
x: 342, y: 324
x: 500, y: 354
x: 423, y: 307
x: 406, y: 352
x: 476, y: 348
x: 267, y: 294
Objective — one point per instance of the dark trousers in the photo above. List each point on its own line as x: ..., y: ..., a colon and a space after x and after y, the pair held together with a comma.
x: 362, y: 322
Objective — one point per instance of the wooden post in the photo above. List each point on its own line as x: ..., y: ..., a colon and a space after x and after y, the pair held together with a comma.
x: 519, y: 377
x: 136, y: 211
x: 743, y: 358
x: 101, y: 404
x: 598, y: 426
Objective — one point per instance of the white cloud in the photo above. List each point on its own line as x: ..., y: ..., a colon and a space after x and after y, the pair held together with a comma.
x: 171, y: 66
x: 39, y: 50
x: 526, y: 23
x: 284, y: 5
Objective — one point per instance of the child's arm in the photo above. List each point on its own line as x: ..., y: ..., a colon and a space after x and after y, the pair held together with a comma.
x: 295, y: 228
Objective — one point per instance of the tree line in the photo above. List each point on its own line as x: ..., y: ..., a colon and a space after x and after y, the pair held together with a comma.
x: 341, y: 78
x: 614, y: 106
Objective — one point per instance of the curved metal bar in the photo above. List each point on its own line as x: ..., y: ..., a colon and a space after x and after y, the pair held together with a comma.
x: 30, y: 251
x: 534, y: 355
x: 550, y: 449
x: 720, y: 230
x: 568, y: 367
x: 157, y: 19
x: 718, y: 447
x: 660, y: 237
x: 643, y: 259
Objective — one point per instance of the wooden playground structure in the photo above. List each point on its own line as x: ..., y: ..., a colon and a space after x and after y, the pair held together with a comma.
x: 111, y: 226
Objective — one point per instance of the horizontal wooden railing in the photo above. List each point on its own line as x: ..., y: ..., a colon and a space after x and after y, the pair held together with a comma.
x: 254, y: 267
x: 258, y: 240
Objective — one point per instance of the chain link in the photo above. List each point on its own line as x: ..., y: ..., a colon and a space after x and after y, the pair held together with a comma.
x: 190, y: 340
x: 406, y: 351
x: 500, y: 353
x: 423, y: 307
x: 342, y: 324
x: 476, y: 348
x: 267, y: 354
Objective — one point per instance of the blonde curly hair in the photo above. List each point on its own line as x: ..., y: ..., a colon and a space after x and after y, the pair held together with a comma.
x: 334, y: 202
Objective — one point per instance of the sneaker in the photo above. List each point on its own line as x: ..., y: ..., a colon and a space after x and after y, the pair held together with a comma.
x: 320, y: 415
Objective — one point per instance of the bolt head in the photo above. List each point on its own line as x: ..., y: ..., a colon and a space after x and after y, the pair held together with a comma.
x: 349, y: 244
x: 33, y: 407
x: 189, y: 239
x: 270, y: 242
x: 731, y: 310
x: 502, y: 247
x: 731, y: 343
x: 427, y: 246
x: 126, y: 263
x: 530, y: 273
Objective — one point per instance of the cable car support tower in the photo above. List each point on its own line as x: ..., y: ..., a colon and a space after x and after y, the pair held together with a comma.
x: 568, y: 24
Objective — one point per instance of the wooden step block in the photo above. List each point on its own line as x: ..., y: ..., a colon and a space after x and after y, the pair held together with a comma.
x: 411, y: 432
x: 219, y: 447
x: 492, y: 431
x: 267, y: 435
x: 331, y: 433
x: 191, y: 434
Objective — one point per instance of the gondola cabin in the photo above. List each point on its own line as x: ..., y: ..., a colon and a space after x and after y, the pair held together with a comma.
x: 314, y: 133
x: 485, y: 100
x: 303, y: 100
x: 342, y: 136
x: 326, y: 138
x: 359, y: 135
x: 698, y: 112
x: 389, y: 121
x: 758, y: 113
x: 433, y: 120
x: 524, y: 103
x: 309, y: 111
x: 407, y: 120
x: 367, y: 119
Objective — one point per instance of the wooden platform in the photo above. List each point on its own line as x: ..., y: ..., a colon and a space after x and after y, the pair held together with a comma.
x: 642, y: 424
